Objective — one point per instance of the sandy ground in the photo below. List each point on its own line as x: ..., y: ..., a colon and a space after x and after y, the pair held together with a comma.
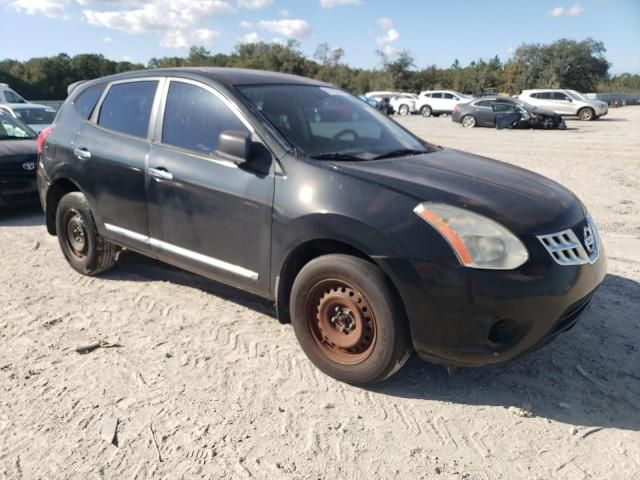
x: 208, y: 374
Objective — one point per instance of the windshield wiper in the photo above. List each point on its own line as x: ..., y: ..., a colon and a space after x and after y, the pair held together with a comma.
x: 337, y: 156
x: 405, y: 152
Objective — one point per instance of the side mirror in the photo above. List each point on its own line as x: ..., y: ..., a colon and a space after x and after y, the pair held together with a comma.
x: 234, y: 146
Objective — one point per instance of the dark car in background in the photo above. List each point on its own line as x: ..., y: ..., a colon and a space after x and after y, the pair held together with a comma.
x: 371, y: 241
x: 18, y: 162
x: 504, y: 112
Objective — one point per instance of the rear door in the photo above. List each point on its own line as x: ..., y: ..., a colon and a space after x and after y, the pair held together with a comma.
x: 436, y: 102
x: 206, y: 214
x: 113, y: 148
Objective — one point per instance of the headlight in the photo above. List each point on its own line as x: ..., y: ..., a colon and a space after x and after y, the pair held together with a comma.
x: 477, y: 241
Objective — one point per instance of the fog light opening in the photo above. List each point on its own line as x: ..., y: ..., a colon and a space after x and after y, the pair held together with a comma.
x: 504, y: 333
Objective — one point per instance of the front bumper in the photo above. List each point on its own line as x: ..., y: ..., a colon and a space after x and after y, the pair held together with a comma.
x: 471, y: 318
x: 18, y: 189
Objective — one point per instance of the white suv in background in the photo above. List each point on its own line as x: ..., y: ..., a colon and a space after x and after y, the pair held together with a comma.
x: 566, y: 102
x: 435, y: 102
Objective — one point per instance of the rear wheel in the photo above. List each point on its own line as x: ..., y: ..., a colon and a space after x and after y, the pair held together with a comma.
x: 426, y: 111
x: 586, y: 114
x: 403, y: 110
x: 468, y: 121
x: 348, y: 320
x: 83, y: 247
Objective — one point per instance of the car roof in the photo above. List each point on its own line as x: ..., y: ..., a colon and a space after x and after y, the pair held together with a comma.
x: 226, y: 76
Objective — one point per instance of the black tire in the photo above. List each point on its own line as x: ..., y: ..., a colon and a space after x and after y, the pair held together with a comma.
x: 426, y: 111
x: 83, y: 247
x: 586, y: 114
x: 468, y: 121
x: 378, y: 333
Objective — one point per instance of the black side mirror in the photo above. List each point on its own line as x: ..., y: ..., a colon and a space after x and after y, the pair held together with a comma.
x: 234, y: 146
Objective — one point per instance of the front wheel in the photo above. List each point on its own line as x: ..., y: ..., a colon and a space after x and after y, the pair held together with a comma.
x: 404, y: 110
x: 586, y: 114
x: 348, y: 319
x: 83, y: 247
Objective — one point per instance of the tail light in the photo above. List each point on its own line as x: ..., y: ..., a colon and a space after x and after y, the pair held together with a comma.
x: 42, y: 138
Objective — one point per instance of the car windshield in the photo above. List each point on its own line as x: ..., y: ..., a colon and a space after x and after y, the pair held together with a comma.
x: 12, y: 128
x: 327, y: 123
x: 36, y: 116
x: 527, y: 106
x: 575, y: 95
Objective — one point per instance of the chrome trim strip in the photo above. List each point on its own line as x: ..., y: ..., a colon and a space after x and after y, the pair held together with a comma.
x: 198, y: 257
x: 183, y: 252
x: 127, y: 233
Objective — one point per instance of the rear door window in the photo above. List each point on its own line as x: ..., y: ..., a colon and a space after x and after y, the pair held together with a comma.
x: 127, y: 107
x: 87, y: 100
x: 195, y: 117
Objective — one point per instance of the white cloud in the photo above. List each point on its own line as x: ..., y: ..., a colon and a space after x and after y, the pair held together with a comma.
x: 178, y: 22
x: 246, y: 25
x: 391, y: 36
x: 107, y: 39
x: 252, y: 37
x: 254, y: 4
x: 297, y: 29
x: 385, y: 23
x: 284, y: 13
x: 571, y: 11
x: 50, y: 8
x: 339, y: 3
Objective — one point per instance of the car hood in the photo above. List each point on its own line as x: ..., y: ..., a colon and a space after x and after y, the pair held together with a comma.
x: 10, y: 149
x: 525, y: 202
x: 544, y: 111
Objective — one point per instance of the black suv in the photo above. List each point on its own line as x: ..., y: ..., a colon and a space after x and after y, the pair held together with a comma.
x: 372, y: 242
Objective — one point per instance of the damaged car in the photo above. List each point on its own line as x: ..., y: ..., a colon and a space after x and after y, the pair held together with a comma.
x: 505, y: 112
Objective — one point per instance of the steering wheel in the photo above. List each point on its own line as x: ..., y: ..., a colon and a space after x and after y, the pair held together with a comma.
x: 346, y: 131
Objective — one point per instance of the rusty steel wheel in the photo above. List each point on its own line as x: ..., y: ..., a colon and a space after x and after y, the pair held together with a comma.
x: 349, y: 320
x: 342, y: 322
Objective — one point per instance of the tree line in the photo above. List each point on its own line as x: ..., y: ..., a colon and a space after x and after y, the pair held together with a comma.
x: 580, y: 65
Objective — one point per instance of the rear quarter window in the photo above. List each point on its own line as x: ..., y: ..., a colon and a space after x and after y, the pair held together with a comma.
x: 127, y: 107
x: 86, y: 101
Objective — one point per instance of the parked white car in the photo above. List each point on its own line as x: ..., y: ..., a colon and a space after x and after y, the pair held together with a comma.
x: 8, y: 95
x: 435, y: 102
x: 402, y: 103
x: 36, y: 116
x: 566, y: 102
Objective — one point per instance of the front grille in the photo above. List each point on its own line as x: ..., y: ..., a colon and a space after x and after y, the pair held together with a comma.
x: 566, y: 248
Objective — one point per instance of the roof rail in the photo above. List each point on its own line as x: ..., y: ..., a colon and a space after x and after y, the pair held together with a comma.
x: 74, y: 85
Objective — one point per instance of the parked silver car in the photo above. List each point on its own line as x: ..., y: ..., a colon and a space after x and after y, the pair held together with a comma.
x: 566, y: 102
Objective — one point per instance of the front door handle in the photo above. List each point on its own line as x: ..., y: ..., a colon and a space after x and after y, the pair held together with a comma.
x: 161, y: 173
x: 82, y: 153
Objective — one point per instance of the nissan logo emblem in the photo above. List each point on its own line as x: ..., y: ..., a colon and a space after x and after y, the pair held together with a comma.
x: 28, y: 166
x: 589, y: 240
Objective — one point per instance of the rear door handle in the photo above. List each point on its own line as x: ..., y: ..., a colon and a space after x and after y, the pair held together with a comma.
x: 82, y: 153
x: 161, y: 173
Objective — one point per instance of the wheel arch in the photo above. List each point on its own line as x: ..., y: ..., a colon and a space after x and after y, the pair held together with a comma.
x: 306, y: 251
x: 58, y: 189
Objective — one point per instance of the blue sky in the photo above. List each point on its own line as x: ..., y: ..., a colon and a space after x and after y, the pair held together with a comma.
x: 435, y: 32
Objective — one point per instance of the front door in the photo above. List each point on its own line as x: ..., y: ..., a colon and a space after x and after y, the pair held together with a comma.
x: 206, y: 214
